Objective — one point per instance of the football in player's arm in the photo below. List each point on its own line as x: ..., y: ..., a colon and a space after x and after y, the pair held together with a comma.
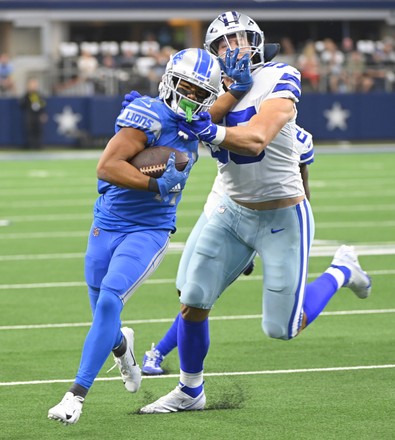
x: 135, y: 215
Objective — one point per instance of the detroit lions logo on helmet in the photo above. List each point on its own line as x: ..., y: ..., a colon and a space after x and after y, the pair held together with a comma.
x: 178, y: 56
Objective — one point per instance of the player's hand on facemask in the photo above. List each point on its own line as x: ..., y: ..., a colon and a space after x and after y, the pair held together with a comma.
x: 202, y: 129
x: 238, y: 70
x: 172, y: 180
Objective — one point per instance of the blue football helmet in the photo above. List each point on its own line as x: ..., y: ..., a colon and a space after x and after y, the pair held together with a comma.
x: 249, y: 36
x: 197, y: 67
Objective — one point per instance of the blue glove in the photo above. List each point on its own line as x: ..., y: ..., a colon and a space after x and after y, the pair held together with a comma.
x: 130, y: 97
x: 202, y: 129
x: 239, y: 71
x: 172, y: 180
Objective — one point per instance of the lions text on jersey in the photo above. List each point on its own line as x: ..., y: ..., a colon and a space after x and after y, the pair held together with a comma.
x: 121, y: 208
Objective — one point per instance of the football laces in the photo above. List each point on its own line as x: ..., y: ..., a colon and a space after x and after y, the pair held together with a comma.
x: 153, y: 169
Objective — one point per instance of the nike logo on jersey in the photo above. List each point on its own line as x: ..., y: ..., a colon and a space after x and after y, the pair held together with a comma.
x: 147, y: 104
x: 274, y: 231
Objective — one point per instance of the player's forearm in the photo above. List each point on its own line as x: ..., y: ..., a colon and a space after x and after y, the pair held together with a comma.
x: 244, y: 141
x: 122, y: 174
x: 253, y: 138
x: 221, y: 107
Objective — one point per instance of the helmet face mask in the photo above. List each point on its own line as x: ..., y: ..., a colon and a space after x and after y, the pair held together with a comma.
x: 191, y: 82
x: 232, y: 29
x: 231, y: 41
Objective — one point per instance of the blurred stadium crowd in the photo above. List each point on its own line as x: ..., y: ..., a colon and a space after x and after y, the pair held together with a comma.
x: 113, y: 68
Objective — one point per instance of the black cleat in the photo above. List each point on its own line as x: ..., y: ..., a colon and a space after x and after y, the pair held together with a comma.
x: 249, y: 269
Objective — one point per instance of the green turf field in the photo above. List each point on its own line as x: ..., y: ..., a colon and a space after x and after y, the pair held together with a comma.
x: 335, y: 381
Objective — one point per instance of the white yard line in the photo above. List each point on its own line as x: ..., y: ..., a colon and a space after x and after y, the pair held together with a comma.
x: 221, y: 374
x: 183, y: 212
x: 67, y: 284
x: 74, y: 234
x: 321, y: 248
x: 169, y: 320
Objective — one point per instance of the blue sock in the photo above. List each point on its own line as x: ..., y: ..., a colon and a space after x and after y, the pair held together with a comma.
x: 102, y: 337
x: 193, y: 344
x: 318, y: 293
x: 193, y: 392
x: 169, y: 341
x: 346, y: 271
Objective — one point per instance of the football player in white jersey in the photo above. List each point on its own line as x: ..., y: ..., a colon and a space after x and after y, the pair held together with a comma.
x: 264, y: 210
x: 153, y: 358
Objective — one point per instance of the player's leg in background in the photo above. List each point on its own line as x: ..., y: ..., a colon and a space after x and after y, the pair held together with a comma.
x: 284, y: 245
x: 344, y: 271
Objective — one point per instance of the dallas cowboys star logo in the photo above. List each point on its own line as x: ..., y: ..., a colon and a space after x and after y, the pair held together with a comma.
x: 67, y: 121
x: 336, y: 117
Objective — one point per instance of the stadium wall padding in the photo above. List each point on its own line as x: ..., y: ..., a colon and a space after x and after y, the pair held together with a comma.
x: 84, y: 122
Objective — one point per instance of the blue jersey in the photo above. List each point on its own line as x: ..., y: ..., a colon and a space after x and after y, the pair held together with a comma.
x: 128, y: 210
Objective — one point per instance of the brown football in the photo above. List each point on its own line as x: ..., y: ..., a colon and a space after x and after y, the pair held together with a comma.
x: 152, y: 161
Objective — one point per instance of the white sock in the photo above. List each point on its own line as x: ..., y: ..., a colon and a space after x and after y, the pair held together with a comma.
x: 338, y: 275
x: 191, y: 380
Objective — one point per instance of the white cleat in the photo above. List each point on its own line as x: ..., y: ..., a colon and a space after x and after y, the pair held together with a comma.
x: 359, y: 282
x: 175, y: 401
x: 130, y: 370
x: 69, y: 409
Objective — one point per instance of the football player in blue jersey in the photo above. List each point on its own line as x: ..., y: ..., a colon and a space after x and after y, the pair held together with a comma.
x: 135, y: 215
x: 264, y: 209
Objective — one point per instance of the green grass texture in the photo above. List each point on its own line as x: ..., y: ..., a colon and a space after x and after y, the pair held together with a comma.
x: 334, y: 381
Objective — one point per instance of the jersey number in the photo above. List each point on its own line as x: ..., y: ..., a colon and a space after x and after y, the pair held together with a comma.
x: 301, y: 136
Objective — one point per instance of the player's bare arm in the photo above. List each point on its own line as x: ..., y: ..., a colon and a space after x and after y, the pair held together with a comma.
x: 222, y: 106
x: 253, y: 138
x: 114, y: 166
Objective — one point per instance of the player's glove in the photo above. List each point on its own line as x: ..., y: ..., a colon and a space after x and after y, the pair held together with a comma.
x: 239, y: 71
x: 202, y: 129
x: 172, y: 180
x: 130, y: 97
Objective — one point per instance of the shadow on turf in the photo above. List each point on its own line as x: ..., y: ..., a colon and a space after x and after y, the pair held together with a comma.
x: 229, y: 399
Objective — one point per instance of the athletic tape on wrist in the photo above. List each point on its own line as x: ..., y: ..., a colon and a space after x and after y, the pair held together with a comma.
x: 153, y: 185
x: 220, y: 136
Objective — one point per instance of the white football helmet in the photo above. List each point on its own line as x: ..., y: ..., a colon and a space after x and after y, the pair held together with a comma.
x: 250, y: 37
x: 197, y: 67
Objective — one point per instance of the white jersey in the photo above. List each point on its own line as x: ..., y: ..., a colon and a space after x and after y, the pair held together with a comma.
x: 274, y: 174
x: 305, y: 141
